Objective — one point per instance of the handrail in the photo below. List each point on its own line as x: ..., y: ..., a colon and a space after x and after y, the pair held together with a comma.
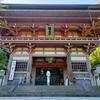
x: 19, y: 83
x: 46, y: 38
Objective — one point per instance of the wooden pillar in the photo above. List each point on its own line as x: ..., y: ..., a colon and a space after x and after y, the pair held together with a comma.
x: 69, y: 66
x: 89, y: 69
x: 29, y: 68
x: 89, y: 48
x: 65, y: 76
x: 33, y: 72
x: 33, y: 75
x: 29, y: 65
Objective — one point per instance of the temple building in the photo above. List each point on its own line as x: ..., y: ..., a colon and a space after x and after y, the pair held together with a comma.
x: 49, y: 44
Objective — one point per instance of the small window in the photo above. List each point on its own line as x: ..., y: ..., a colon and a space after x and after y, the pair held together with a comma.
x: 79, y: 66
x: 21, y: 66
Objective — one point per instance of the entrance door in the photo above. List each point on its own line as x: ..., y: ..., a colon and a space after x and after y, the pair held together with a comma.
x: 56, y: 77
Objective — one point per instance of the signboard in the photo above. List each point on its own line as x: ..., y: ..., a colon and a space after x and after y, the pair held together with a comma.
x: 49, y: 30
x: 12, y: 70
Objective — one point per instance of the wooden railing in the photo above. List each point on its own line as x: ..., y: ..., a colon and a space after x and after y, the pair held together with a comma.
x: 17, y: 38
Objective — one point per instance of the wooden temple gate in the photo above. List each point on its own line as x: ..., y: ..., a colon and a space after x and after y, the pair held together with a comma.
x: 40, y: 38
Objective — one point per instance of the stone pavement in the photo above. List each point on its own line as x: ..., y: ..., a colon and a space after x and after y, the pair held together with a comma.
x: 49, y: 98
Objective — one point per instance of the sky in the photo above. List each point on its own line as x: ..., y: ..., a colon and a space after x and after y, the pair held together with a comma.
x: 50, y: 1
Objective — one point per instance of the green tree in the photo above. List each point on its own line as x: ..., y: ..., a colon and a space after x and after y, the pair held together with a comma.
x: 95, y: 57
x: 2, y: 6
x: 3, y: 53
x: 3, y: 58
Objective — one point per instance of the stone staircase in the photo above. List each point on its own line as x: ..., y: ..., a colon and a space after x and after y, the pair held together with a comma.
x: 29, y: 90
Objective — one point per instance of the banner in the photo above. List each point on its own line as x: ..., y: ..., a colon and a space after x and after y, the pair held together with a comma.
x: 12, y: 70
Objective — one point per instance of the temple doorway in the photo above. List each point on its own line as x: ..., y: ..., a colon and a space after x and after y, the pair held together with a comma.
x: 49, y: 71
x: 56, y: 76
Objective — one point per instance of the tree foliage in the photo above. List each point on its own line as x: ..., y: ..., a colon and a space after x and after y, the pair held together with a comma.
x: 3, y: 53
x: 3, y: 58
x: 95, y: 57
x: 2, y: 6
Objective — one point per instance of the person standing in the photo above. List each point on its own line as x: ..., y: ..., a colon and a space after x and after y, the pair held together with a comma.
x: 48, y: 74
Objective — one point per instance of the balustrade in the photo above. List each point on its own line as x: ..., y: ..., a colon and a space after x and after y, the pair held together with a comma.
x: 16, y: 38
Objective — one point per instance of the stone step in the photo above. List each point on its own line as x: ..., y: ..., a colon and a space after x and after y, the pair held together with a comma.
x: 48, y: 88
x: 30, y: 90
